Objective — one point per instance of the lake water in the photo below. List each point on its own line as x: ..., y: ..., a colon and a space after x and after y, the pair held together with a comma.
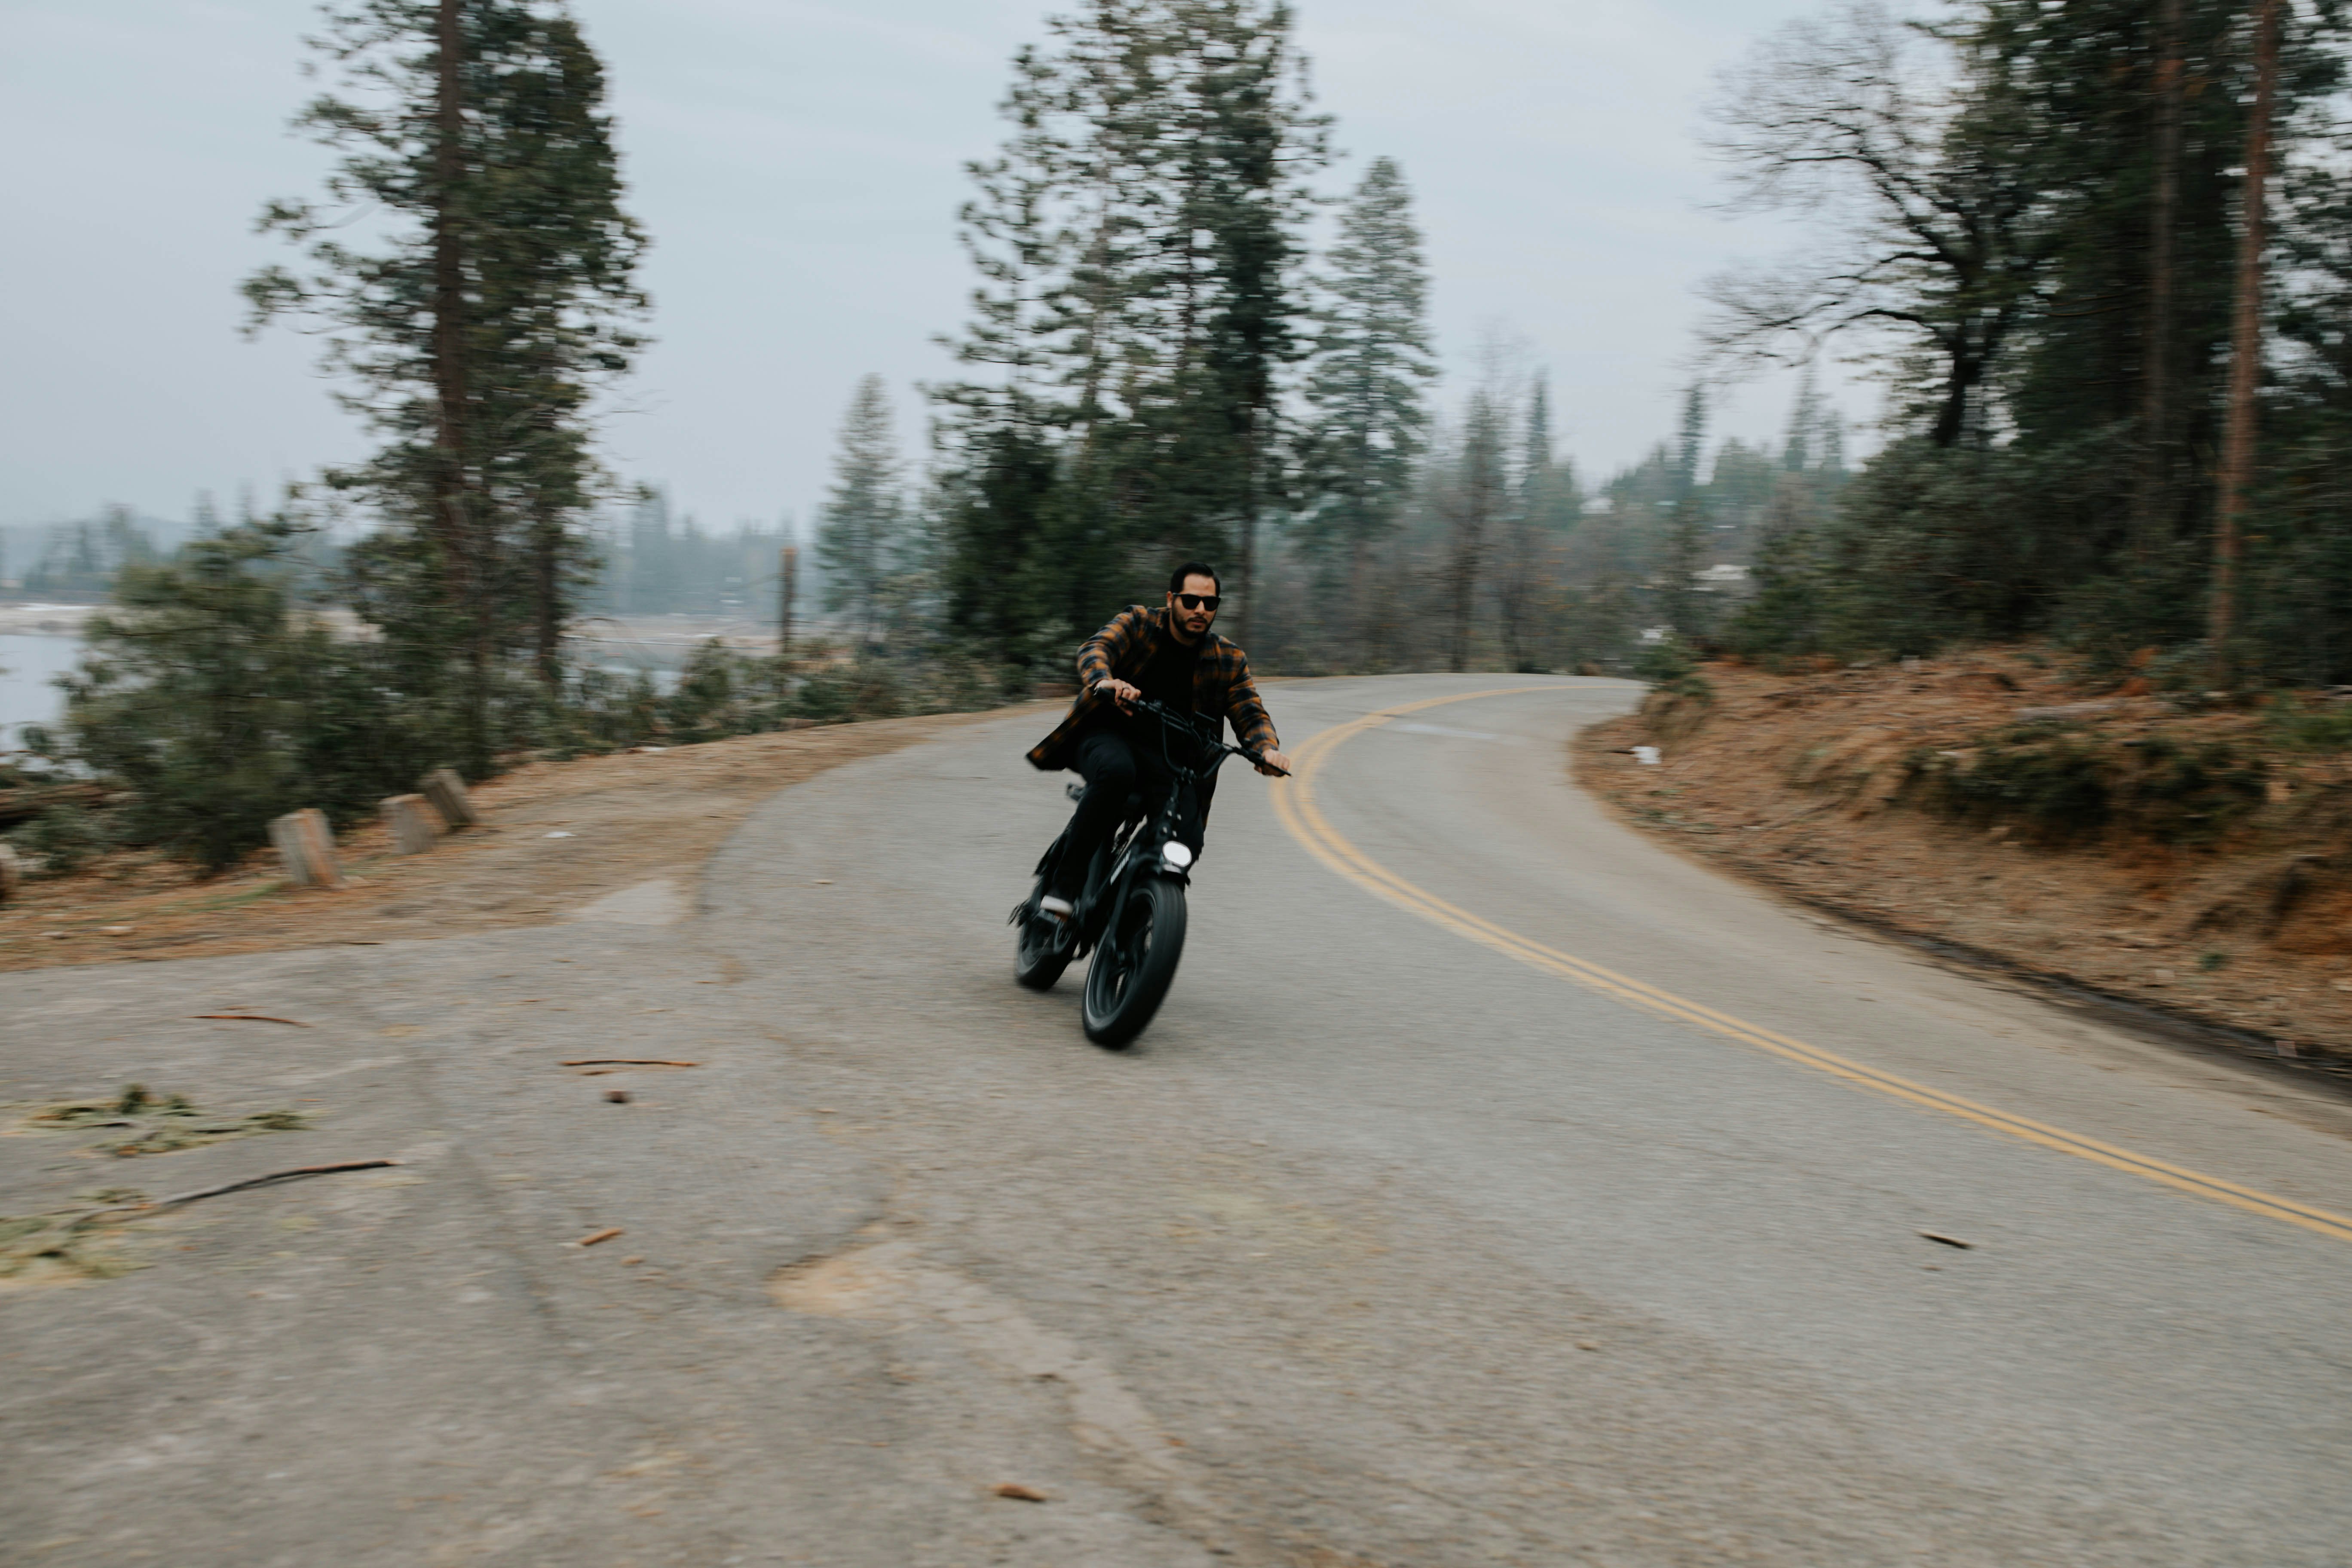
x: 29, y: 665
x: 31, y: 662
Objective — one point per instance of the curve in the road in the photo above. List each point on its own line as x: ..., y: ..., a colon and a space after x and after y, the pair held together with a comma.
x: 1296, y: 807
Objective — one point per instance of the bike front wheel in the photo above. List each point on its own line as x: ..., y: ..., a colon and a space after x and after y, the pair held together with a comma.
x: 1136, y: 962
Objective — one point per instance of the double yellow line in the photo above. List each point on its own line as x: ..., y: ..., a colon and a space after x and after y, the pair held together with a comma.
x: 1295, y: 805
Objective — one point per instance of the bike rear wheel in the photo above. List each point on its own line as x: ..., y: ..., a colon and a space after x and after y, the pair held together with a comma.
x: 1042, y: 948
x: 1136, y: 962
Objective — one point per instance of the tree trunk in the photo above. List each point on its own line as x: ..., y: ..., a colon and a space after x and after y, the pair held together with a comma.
x: 452, y: 514
x: 449, y: 295
x: 2154, y: 519
x: 1360, y: 617
x: 547, y: 598
x: 787, y: 571
x: 1961, y: 380
x: 1247, y: 616
x: 2245, y: 345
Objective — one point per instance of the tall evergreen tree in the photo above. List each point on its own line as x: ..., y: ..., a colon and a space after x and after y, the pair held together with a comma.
x: 1473, y: 501
x: 1548, y: 486
x: 1366, y: 386
x: 1800, y: 449
x: 1138, y: 244
x: 1690, y: 442
x: 861, y: 525
x: 474, y: 338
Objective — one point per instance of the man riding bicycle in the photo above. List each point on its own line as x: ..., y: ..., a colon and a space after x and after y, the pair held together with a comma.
x: 1169, y: 655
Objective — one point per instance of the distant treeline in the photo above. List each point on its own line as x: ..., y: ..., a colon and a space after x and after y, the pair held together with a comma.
x: 648, y: 563
x: 79, y: 560
x: 643, y: 561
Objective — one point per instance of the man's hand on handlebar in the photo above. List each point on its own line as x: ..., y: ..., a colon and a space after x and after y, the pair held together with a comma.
x: 1272, y: 764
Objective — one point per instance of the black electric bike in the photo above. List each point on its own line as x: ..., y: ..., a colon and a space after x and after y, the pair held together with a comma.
x: 1130, y: 915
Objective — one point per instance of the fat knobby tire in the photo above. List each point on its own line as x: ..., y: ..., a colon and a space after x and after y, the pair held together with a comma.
x: 1136, y: 963
x: 1040, y: 953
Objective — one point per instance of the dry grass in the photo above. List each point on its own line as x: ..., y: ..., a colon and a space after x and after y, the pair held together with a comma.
x: 1813, y: 785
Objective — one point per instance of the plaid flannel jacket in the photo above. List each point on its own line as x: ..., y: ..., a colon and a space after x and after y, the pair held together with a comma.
x: 1221, y: 684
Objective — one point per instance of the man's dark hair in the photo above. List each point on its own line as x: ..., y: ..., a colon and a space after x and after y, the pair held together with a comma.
x: 1195, y: 569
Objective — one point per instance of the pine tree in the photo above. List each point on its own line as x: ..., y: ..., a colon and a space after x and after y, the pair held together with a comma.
x: 1542, y: 510
x: 473, y: 339
x: 1473, y: 504
x: 1800, y: 449
x: 1138, y: 242
x: 1690, y: 442
x: 1549, y: 492
x: 860, y: 526
x: 1365, y: 388
x: 1685, y: 541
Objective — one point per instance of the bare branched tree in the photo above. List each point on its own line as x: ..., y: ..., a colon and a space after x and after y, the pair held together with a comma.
x: 1911, y: 148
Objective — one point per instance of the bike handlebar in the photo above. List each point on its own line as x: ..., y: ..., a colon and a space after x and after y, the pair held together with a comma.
x: 1168, y: 715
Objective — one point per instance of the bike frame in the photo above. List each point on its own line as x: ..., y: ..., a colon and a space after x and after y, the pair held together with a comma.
x: 1140, y: 847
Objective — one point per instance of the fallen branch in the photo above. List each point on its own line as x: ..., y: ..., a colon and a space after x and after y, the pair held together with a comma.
x: 593, y: 1237
x: 252, y: 1018
x: 628, y: 1062
x: 179, y: 1198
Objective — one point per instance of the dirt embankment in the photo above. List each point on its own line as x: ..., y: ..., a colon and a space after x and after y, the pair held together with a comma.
x: 2196, y: 862
x: 555, y: 836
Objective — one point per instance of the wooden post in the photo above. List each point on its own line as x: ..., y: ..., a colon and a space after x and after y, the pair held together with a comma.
x: 412, y: 831
x: 447, y: 791
x: 11, y: 874
x: 788, y: 567
x: 307, y: 846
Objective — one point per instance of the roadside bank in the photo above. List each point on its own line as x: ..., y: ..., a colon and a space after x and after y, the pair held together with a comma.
x: 2192, y: 862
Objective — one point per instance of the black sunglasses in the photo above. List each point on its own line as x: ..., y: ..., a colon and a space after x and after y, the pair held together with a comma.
x: 1198, y: 602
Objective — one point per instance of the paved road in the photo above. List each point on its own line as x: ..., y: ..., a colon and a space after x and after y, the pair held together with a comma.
x: 1496, y: 1187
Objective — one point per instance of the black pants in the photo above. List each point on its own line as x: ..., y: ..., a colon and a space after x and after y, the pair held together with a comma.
x: 1112, y: 767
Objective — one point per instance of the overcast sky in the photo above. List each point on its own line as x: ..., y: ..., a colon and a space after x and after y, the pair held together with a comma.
x: 798, y: 164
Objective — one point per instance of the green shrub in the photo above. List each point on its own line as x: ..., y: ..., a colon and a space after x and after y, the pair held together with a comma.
x: 2063, y: 785
x: 2183, y: 794
x: 66, y: 837
x: 2328, y: 729
x: 868, y: 688
x: 2052, y: 781
x: 1671, y: 665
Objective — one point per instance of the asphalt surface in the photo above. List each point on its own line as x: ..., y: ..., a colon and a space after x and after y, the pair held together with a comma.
x: 1494, y: 1187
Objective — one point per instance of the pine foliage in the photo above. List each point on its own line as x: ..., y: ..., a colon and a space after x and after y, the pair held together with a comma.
x: 2026, y: 216
x: 472, y: 336
x: 861, y: 527
x: 1137, y: 240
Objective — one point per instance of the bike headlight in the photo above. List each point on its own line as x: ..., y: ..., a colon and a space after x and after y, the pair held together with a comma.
x: 1176, y: 856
